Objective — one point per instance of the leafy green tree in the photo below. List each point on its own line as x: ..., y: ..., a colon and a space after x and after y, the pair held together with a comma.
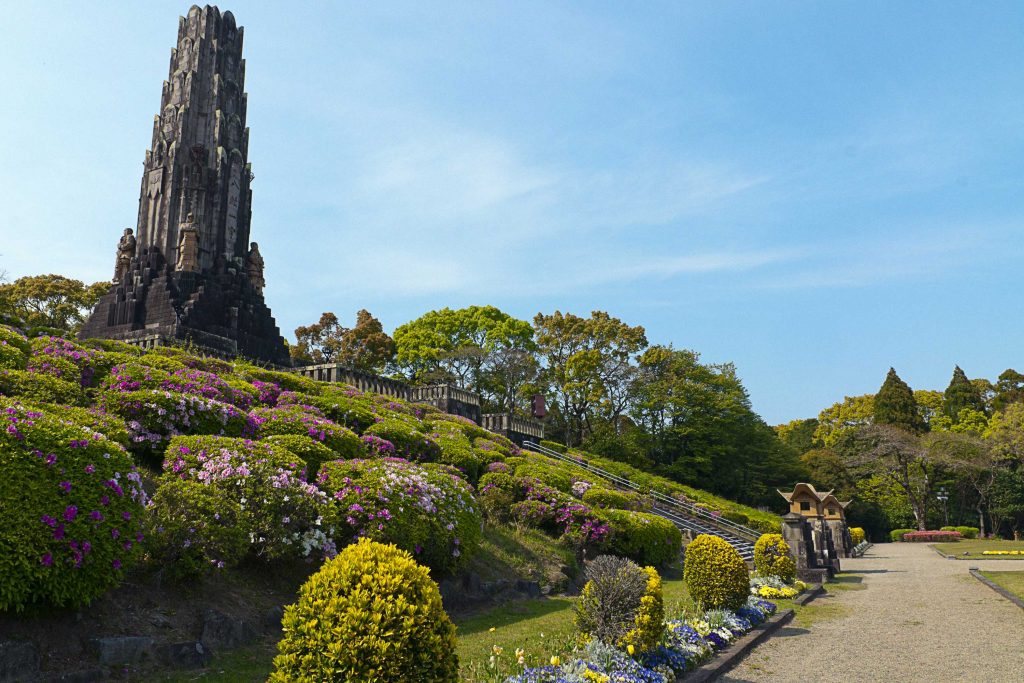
x: 454, y: 345
x: 584, y: 366
x: 827, y: 471
x: 1009, y: 388
x: 972, y: 459
x: 50, y: 301
x: 929, y: 405
x: 366, y: 346
x: 895, y: 405
x: 961, y: 395
x: 843, y: 417
x: 799, y: 435
x: 897, y: 456
x: 319, y: 342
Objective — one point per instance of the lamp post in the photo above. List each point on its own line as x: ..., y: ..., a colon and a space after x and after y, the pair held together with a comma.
x: 943, y: 497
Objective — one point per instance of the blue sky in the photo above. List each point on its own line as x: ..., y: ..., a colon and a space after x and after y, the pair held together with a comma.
x: 813, y: 191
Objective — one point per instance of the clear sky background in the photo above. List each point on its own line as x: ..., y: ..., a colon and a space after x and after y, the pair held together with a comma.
x: 812, y: 190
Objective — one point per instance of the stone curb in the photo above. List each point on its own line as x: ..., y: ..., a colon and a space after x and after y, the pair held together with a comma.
x: 732, y: 655
x: 976, y: 573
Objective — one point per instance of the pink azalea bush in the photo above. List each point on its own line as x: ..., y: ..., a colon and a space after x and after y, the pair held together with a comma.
x: 426, y: 509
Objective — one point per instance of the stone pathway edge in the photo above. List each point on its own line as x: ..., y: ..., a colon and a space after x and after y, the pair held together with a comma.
x: 976, y: 573
x: 735, y: 653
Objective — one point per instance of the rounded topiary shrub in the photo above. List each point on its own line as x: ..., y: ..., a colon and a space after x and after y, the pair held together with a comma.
x: 772, y: 558
x: 409, y: 442
x: 621, y: 604
x: 40, y: 388
x: 424, y: 508
x: 71, y: 504
x: 600, y: 497
x: 857, y: 535
x: 194, y: 528
x: 715, y: 574
x: 897, y: 534
x: 14, y: 349
x: 307, y: 421
x: 645, y: 538
x: 370, y: 614
x: 346, y: 407
x: 313, y: 453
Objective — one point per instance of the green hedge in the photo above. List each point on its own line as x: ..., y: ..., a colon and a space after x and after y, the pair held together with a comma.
x: 644, y: 538
x: 897, y: 534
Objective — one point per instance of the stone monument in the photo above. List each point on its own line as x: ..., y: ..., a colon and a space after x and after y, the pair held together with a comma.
x: 189, y: 273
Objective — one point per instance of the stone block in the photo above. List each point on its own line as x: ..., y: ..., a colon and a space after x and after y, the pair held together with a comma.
x: 19, y: 661
x: 120, y: 649
x: 222, y: 632
x: 188, y: 655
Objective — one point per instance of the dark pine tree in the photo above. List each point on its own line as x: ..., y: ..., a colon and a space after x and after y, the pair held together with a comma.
x: 961, y: 394
x: 895, y: 405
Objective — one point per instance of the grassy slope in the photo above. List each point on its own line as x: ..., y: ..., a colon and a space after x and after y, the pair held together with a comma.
x: 974, y: 548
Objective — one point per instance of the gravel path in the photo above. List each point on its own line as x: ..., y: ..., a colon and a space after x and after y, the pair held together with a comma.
x: 920, y: 617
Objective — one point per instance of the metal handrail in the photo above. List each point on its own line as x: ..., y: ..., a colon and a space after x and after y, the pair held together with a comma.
x: 743, y: 532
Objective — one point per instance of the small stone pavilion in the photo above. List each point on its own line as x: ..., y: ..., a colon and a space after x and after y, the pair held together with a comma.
x: 815, y: 529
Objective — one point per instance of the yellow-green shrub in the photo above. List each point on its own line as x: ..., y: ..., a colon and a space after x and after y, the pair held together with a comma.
x: 715, y: 574
x: 857, y: 535
x: 370, y: 614
x: 649, y: 622
x: 771, y: 558
x: 643, y: 537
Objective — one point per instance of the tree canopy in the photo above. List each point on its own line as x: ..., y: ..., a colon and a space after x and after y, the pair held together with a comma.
x: 50, y: 301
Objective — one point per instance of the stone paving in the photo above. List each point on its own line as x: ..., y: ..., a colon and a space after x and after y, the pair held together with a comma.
x: 917, y: 617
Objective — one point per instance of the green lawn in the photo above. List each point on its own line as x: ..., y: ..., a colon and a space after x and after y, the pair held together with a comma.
x: 974, y: 548
x: 1011, y: 581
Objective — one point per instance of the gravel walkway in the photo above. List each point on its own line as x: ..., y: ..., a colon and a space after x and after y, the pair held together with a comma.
x: 921, y: 617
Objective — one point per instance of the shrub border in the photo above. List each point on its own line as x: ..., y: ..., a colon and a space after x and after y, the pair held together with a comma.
x: 969, y: 558
x: 738, y: 650
x: 976, y: 573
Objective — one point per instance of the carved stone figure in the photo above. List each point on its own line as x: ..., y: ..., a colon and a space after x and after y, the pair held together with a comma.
x: 188, y: 246
x: 125, y: 253
x: 254, y: 267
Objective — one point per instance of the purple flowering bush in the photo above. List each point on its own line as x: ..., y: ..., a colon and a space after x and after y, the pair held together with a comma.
x: 134, y: 376
x: 64, y: 359
x: 425, y: 509
x: 557, y: 513
x: 154, y: 417
x: 282, y: 515
x: 457, y: 451
x: 71, y: 503
x: 304, y: 420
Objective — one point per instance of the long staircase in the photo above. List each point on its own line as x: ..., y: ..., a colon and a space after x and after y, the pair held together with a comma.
x: 686, y: 516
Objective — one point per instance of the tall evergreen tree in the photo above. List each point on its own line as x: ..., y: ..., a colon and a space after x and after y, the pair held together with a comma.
x: 960, y: 394
x: 895, y: 405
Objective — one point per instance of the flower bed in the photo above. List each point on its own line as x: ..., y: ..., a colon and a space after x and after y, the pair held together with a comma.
x: 685, y: 645
x: 932, y: 536
x: 1002, y: 552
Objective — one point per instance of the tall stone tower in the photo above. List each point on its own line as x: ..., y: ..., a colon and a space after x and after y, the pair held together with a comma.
x: 189, y: 272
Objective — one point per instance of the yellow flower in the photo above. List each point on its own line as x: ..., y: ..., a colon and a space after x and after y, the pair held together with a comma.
x: 556, y: 660
x: 630, y: 649
x: 497, y: 650
x: 490, y: 630
x: 520, y: 652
